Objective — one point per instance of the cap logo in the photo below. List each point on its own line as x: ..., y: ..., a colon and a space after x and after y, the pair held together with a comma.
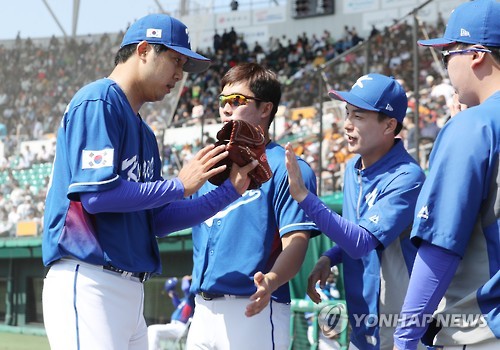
x: 360, y: 80
x: 389, y: 107
x: 153, y: 33
x: 464, y: 32
x: 187, y: 34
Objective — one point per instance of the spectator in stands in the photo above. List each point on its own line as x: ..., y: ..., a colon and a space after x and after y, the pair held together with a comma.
x: 6, y: 226
x: 381, y: 185
x: 217, y: 42
x: 25, y: 208
x: 27, y: 157
x: 429, y: 129
x: 374, y: 32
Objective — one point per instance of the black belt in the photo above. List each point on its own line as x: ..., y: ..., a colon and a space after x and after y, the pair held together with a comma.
x: 210, y: 296
x: 142, y: 276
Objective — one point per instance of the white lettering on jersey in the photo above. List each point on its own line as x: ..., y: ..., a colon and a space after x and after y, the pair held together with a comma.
x: 248, y: 196
x: 370, y: 198
x: 423, y: 213
x: 148, y: 169
x: 134, y: 170
x: 131, y: 167
x: 97, y: 159
x: 374, y: 219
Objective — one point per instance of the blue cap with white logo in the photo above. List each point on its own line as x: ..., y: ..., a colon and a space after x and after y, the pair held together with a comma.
x: 378, y: 93
x: 473, y: 22
x: 170, y: 32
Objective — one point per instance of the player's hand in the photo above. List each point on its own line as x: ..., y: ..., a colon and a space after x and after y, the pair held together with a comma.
x: 298, y: 189
x: 320, y: 272
x: 456, y: 107
x: 239, y: 176
x: 198, y: 170
x: 260, y: 299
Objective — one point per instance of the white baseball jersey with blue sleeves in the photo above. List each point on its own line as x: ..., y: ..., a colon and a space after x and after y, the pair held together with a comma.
x: 380, y: 198
x: 245, y: 237
x: 106, y: 141
x: 458, y: 209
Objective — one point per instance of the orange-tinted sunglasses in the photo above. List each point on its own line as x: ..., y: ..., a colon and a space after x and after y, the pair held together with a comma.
x: 235, y: 100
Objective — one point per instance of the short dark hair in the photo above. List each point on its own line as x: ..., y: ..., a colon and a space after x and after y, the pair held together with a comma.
x: 262, y: 82
x: 126, y: 51
x: 495, y: 50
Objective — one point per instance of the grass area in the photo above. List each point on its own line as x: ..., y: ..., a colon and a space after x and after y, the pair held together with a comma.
x: 16, y: 341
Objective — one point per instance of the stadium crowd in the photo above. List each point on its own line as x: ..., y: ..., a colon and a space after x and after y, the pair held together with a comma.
x: 38, y: 80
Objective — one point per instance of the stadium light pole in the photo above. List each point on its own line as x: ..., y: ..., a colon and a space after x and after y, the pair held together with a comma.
x: 320, y: 133
x: 76, y: 11
x: 416, y: 84
x: 55, y: 17
x: 416, y: 87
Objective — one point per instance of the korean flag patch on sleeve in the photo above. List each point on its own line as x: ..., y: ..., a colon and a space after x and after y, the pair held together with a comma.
x: 97, y: 159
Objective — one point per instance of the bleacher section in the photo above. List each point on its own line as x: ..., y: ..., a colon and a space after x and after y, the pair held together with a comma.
x: 36, y: 177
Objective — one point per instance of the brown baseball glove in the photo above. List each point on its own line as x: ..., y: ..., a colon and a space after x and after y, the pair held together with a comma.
x: 245, y: 142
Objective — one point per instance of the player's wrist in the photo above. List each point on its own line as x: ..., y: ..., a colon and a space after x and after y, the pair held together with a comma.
x: 302, y: 194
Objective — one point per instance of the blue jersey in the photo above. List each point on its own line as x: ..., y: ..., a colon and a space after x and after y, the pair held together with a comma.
x: 245, y: 237
x: 99, y: 141
x: 458, y: 209
x: 381, y: 199
x: 184, y: 309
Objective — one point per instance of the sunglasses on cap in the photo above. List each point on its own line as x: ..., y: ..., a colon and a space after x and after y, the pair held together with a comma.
x: 446, y: 54
x: 235, y: 100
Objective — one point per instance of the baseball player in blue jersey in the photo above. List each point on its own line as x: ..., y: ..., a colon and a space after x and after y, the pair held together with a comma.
x: 107, y: 201
x: 245, y: 254
x: 453, y: 298
x: 180, y: 318
x: 381, y: 185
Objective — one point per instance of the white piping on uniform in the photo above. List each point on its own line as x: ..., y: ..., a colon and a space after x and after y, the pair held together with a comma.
x: 93, y: 183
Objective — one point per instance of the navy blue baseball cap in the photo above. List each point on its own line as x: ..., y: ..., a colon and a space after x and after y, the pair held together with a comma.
x: 378, y: 93
x: 170, y: 284
x: 473, y: 22
x: 168, y: 31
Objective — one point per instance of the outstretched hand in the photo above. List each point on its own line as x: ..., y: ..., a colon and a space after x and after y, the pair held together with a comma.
x: 199, y: 169
x: 298, y: 189
x: 320, y: 272
x: 260, y: 299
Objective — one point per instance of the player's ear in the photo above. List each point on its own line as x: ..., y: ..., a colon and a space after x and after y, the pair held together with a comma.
x: 477, y: 58
x: 391, y: 124
x: 142, y: 48
x: 267, y: 108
